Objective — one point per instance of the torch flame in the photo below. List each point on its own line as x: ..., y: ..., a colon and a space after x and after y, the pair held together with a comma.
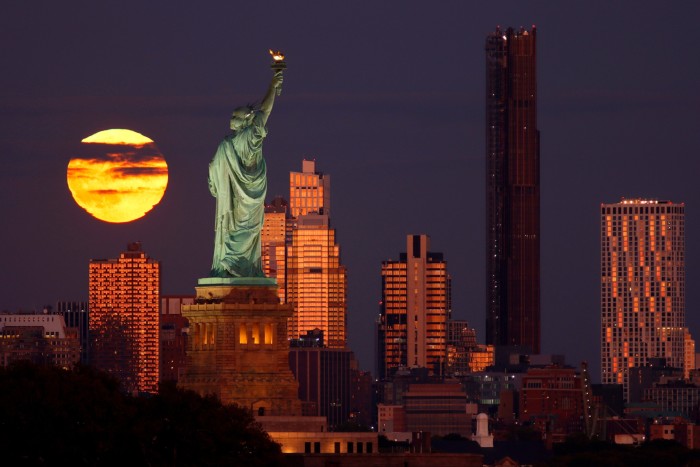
x: 277, y: 56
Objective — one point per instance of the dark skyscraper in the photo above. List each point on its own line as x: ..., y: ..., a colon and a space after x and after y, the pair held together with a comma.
x: 512, y: 191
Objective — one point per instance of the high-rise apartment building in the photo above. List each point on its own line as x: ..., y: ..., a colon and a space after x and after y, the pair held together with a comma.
x: 316, y: 281
x: 642, y: 286
x: 309, y: 191
x: 124, y: 301
x: 416, y: 305
x: 512, y: 191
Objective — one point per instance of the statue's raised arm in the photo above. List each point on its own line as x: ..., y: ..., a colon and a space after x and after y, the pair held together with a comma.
x: 269, y: 99
x: 238, y: 181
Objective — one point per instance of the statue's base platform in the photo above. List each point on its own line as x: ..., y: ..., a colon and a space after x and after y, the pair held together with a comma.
x: 237, y: 347
x: 243, y: 281
x: 237, y: 290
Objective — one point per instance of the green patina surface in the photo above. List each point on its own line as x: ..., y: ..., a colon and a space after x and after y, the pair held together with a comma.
x: 238, y: 181
x: 262, y: 281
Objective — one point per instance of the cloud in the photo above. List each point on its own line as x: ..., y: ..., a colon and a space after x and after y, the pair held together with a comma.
x: 107, y: 192
x: 139, y: 171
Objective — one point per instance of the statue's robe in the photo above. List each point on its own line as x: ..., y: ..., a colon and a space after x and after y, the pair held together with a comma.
x: 238, y: 181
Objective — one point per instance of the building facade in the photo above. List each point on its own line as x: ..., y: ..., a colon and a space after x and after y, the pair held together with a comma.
x: 173, y: 336
x: 642, y: 286
x: 512, y: 191
x: 460, y: 340
x: 440, y: 409
x: 274, y: 237
x: 679, y: 397
x: 309, y: 191
x: 75, y: 315
x: 124, y: 302
x: 316, y: 281
x: 42, y: 339
x: 552, y: 400
x: 325, y: 381
x: 416, y: 305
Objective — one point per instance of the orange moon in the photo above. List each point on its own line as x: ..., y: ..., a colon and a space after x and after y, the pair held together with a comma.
x: 120, y: 176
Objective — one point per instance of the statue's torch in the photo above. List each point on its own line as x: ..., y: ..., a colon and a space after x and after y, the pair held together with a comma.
x: 278, y: 65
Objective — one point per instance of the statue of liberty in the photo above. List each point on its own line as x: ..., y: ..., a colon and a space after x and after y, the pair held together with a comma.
x: 238, y: 181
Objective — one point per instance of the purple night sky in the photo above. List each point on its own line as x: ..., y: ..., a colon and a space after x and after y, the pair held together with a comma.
x: 387, y: 97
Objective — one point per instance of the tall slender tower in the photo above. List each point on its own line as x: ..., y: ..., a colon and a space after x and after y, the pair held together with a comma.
x: 642, y: 286
x: 416, y: 305
x: 316, y: 281
x: 512, y: 191
x: 124, y: 303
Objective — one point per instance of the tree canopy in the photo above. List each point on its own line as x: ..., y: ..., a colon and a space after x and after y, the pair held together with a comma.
x: 50, y: 416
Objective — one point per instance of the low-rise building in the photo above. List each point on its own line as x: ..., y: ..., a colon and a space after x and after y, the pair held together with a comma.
x: 676, y: 396
x: 310, y: 435
x: 552, y: 400
x: 392, y: 418
x: 440, y: 409
x: 677, y: 430
x: 42, y: 339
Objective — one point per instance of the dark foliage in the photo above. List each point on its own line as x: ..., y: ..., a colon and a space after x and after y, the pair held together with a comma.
x: 50, y: 416
x: 579, y: 452
x: 351, y: 425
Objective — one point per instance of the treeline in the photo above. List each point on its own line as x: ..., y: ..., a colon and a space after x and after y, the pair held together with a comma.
x: 578, y: 451
x: 50, y: 416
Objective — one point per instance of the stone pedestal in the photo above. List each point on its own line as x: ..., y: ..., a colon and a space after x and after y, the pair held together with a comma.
x: 237, y: 347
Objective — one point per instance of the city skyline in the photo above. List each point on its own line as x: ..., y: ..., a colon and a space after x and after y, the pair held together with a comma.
x: 395, y: 114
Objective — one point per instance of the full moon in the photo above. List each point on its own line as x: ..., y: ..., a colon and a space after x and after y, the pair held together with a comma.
x: 120, y: 177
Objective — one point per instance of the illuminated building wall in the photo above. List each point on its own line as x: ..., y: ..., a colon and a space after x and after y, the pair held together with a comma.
x: 416, y: 304
x: 689, y: 363
x: 124, y: 300
x: 316, y: 281
x: 309, y: 191
x: 481, y: 357
x: 512, y: 191
x: 642, y: 286
x: 273, y: 240
x: 460, y: 339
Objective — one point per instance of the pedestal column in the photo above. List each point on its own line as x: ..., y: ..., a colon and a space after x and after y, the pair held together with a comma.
x: 237, y: 347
